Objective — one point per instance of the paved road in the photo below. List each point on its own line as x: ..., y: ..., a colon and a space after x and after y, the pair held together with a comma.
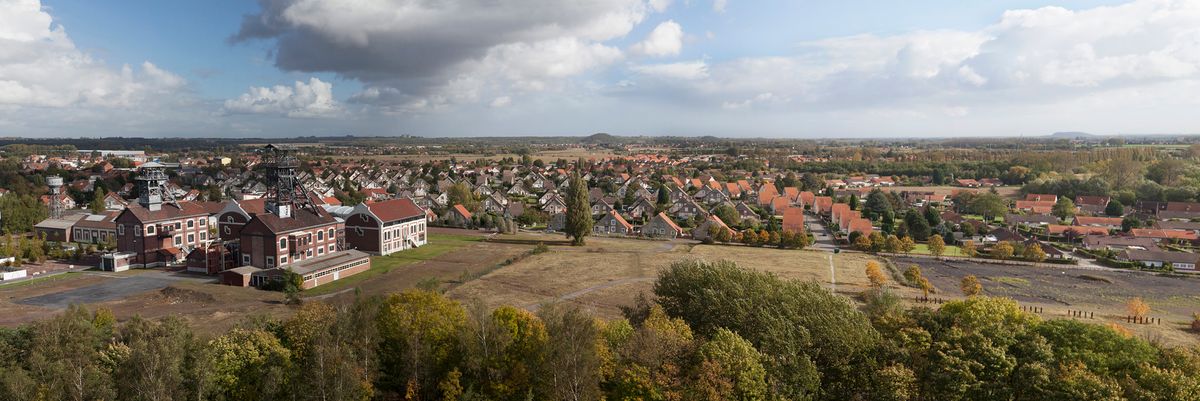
x: 822, y: 240
x: 117, y: 287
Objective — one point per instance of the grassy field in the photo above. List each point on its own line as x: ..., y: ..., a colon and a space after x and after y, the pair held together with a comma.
x: 439, y: 244
x: 36, y: 280
x: 608, y: 273
x: 951, y: 250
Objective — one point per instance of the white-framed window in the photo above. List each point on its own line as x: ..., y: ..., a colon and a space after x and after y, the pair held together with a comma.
x: 178, y: 240
x: 191, y: 238
x: 203, y: 235
x: 321, y: 251
x: 320, y: 235
x: 191, y: 223
x: 178, y: 225
x: 282, y: 260
x: 245, y: 258
x: 330, y: 233
x: 308, y: 254
x: 283, y: 243
x: 270, y: 261
x: 150, y: 229
x: 120, y: 229
x: 203, y: 221
x: 330, y: 247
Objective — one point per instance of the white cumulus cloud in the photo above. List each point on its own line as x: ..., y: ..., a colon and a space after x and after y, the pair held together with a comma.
x: 665, y: 40
x: 304, y: 100
x: 40, y: 66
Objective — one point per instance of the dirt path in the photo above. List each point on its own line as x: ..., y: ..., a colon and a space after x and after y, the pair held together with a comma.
x: 579, y: 293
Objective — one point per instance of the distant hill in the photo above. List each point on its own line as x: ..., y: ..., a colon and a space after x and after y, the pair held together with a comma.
x: 1074, y: 135
x: 600, y: 138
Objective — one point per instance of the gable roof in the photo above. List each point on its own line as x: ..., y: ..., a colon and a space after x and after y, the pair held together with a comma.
x: 396, y: 209
x: 670, y: 223
x: 617, y: 216
x: 169, y: 211
x: 793, y: 219
x: 301, y: 218
x: 458, y: 207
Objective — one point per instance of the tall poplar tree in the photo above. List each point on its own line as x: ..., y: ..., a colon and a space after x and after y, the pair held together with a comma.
x: 579, y: 212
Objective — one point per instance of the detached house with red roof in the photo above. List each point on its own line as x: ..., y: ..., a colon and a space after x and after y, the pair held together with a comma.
x: 612, y: 223
x: 793, y: 219
x: 661, y: 226
x: 458, y: 216
x: 383, y: 228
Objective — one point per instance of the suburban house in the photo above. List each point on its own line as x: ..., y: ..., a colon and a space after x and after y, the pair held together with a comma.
x: 457, y: 216
x: 701, y: 231
x: 1118, y: 242
x: 1106, y: 222
x: 1159, y: 258
x: 793, y: 219
x: 612, y: 223
x: 661, y: 226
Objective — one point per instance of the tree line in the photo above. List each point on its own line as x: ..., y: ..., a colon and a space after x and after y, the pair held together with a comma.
x: 712, y: 331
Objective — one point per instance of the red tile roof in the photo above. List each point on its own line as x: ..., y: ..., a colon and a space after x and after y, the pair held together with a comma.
x: 863, y: 226
x: 793, y: 219
x: 169, y: 211
x: 1098, y: 221
x: 1157, y: 233
x: 663, y: 215
x: 462, y: 210
x: 396, y: 209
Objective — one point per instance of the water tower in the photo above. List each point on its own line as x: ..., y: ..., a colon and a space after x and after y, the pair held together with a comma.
x: 56, y: 207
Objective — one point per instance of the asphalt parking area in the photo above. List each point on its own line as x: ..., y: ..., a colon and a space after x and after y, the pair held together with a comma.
x: 108, y: 290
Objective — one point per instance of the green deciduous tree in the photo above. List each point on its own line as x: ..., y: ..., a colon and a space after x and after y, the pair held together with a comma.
x: 971, y: 286
x: 937, y: 247
x: 249, y: 364
x: 460, y: 194
x: 798, y: 341
x: 1063, y: 208
x: 1002, y: 250
x: 420, y: 341
x: 734, y: 359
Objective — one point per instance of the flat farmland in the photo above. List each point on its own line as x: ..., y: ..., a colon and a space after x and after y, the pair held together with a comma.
x: 608, y: 273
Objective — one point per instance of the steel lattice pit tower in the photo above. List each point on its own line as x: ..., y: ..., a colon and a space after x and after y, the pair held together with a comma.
x: 152, y: 180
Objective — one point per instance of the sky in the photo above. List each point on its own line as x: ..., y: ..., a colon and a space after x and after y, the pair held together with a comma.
x: 730, y: 68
